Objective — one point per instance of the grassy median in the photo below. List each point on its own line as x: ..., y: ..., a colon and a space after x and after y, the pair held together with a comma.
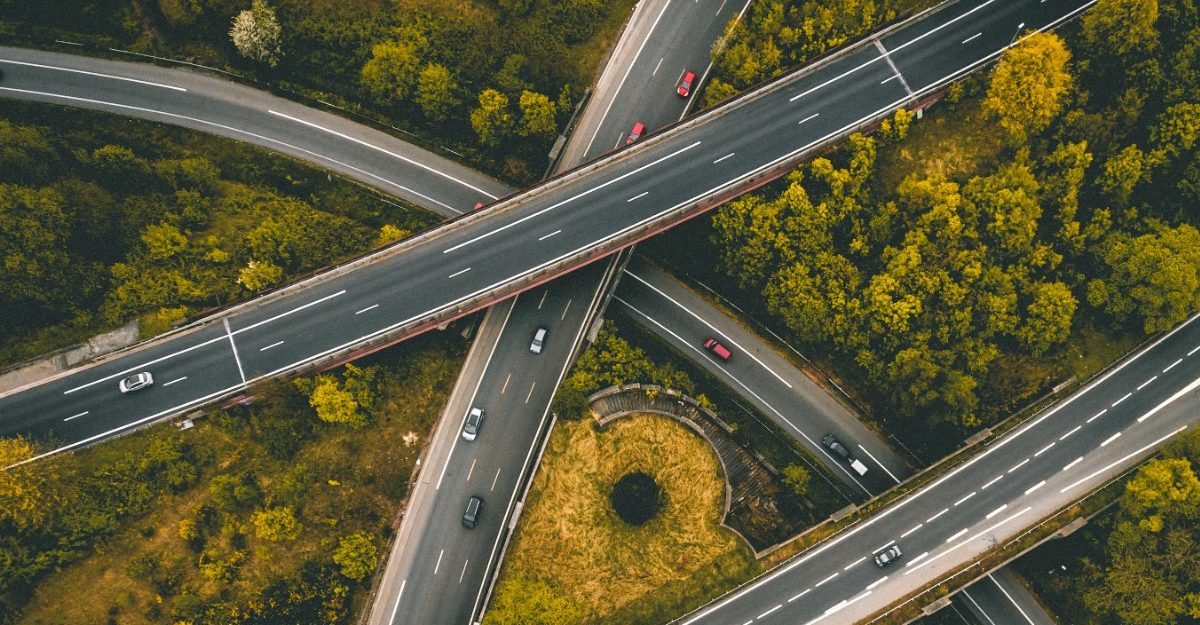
x: 579, y: 562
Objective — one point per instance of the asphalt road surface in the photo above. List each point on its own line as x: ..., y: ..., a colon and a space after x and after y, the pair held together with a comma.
x: 415, y: 588
x: 783, y: 392
x: 1111, y: 424
x: 500, y: 247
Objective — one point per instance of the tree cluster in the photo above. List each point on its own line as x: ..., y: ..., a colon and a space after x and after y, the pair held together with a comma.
x: 926, y: 285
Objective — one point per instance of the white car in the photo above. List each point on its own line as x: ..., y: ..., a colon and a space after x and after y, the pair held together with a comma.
x: 136, y: 382
x: 539, y: 341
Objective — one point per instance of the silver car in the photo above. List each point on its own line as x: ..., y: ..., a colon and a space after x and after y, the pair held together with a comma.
x: 136, y: 382
x: 888, y: 556
x: 472, y: 424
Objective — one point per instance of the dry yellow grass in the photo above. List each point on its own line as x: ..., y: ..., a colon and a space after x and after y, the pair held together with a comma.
x: 571, y: 539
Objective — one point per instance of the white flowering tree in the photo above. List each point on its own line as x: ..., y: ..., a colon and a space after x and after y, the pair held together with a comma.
x: 256, y: 32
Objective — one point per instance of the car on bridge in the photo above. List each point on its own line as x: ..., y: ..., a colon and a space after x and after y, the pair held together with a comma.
x: 472, y: 424
x: 834, y: 445
x: 684, y: 88
x: 638, y: 130
x: 888, y: 556
x: 136, y: 382
x: 471, y: 514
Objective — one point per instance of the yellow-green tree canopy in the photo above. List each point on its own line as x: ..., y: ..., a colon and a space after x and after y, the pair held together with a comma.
x: 1119, y: 26
x: 276, y: 524
x: 356, y: 554
x: 1030, y: 84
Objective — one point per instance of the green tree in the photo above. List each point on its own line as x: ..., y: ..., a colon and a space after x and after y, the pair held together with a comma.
x: 1030, y: 84
x: 356, y: 554
x: 538, y: 115
x: 1176, y: 130
x: 259, y: 274
x: 492, y: 121
x: 393, y: 69
x: 33, y: 250
x: 256, y: 34
x: 280, y: 418
x: 335, y: 404
x: 163, y: 241
x: 1122, y: 173
x: 1048, y: 317
x: 1120, y: 26
x: 231, y: 492
x: 515, y: 8
x: 26, y: 155
x: 26, y: 496
x: 796, y: 478
x: 117, y: 167
x: 1155, y: 276
x: 276, y: 524
x: 437, y: 94
x: 389, y: 234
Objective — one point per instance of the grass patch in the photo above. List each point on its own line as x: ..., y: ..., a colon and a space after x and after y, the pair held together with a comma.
x: 572, y: 541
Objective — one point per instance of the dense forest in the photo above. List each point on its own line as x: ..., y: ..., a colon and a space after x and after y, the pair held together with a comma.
x: 495, y: 80
x: 1054, y: 192
x: 104, y: 219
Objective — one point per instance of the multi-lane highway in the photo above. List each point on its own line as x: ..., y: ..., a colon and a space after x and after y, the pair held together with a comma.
x: 1055, y: 458
x: 484, y: 256
x: 417, y: 585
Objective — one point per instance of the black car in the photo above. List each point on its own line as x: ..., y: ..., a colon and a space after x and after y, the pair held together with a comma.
x: 471, y: 515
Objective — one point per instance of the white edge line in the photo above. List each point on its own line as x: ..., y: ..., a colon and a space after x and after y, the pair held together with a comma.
x: 98, y: 74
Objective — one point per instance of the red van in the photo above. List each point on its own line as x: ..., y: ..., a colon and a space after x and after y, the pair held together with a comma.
x: 719, y: 350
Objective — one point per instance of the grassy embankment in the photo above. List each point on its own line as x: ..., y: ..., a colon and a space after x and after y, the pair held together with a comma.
x: 596, y: 566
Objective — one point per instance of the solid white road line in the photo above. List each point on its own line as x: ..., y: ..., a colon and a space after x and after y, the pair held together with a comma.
x: 1035, y: 487
x: 1010, y: 598
x: 993, y: 513
x: 621, y: 84
x: 748, y: 390
x: 399, y: 157
x: 77, y: 415
x: 916, y: 559
x: 275, y: 344
x: 371, y: 307
x: 577, y: 196
x: 1135, y: 453
x: 547, y: 236
x: 96, y: 74
x: 1073, y: 463
x: 877, y: 582
x: 876, y: 461
x: 1110, y: 439
x: 968, y: 541
x: 710, y: 326
x: 956, y: 535
x: 290, y: 312
x: 175, y: 380
x: 233, y: 345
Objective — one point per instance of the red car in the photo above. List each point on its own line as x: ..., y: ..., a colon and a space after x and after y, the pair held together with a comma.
x: 636, y: 133
x: 719, y: 350
x: 684, y: 88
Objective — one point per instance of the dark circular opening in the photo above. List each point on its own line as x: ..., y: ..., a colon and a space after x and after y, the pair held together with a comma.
x: 636, y: 497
